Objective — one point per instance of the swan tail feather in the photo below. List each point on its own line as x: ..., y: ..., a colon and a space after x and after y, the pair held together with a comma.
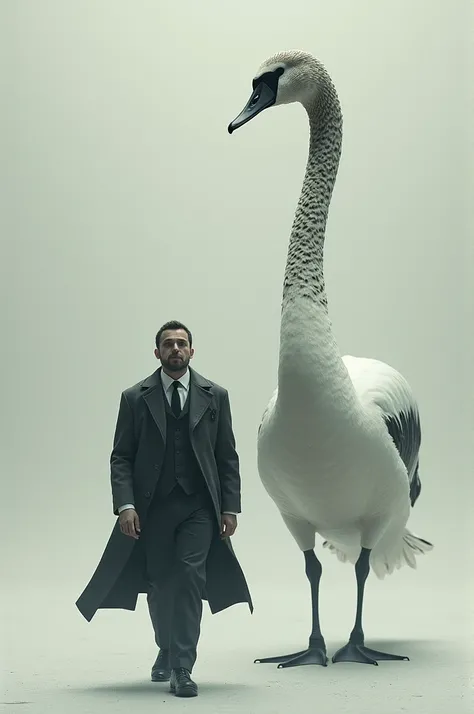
x: 382, y: 561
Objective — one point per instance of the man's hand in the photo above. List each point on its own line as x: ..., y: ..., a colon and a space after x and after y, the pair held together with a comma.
x: 129, y: 523
x: 228, y: 525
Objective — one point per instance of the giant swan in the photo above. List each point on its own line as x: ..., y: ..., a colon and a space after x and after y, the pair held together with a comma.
x: 338, y: 444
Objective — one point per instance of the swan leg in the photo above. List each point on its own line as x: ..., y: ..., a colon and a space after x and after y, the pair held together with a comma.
x: 316, y: 651
x: 355, y: 650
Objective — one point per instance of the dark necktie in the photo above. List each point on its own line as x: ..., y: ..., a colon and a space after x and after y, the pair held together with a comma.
x: 175, y: 400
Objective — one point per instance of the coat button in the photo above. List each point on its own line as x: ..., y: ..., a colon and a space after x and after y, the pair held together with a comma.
x: 148, y: 494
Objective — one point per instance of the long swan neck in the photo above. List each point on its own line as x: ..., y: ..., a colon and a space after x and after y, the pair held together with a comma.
x: 310, y: 367
x: 304, y: 276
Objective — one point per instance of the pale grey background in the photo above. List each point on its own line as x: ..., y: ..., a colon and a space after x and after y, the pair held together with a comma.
x: 127, y: 204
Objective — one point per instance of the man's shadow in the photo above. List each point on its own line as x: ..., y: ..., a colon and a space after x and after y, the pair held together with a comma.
x: 161, y: 690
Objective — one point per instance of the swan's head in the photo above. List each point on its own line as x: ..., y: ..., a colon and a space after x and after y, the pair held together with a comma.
x: 287, y: 77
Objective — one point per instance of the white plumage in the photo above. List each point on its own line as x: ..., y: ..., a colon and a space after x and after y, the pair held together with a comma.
x: 338, y: 445
x: 345, y: 479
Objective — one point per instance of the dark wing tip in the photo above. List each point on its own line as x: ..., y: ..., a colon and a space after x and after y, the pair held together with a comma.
x: 405, y: 430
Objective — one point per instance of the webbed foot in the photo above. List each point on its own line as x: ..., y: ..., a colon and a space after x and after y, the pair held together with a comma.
x: 359, y: 653
x: 313, y: 655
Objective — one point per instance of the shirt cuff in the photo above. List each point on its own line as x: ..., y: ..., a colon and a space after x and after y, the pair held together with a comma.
x: 125, y: 506
x: 229, y: 513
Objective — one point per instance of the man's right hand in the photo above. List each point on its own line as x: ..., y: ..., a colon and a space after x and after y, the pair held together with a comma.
x: 129, y: 523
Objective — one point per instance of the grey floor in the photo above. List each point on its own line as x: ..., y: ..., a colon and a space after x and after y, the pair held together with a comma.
x: 56, y: 662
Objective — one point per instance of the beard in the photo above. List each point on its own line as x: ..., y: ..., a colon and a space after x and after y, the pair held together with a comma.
x: 175, y: 365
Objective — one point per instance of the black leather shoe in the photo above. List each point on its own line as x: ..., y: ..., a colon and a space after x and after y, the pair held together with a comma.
x: 161, y: 671
x: 181, y: 683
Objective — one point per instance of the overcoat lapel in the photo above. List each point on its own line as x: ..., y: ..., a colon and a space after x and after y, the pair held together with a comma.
x: 200, y: 397
x: 154, y: 399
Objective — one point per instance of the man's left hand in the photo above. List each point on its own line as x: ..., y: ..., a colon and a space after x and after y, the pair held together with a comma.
x: 228, y: 525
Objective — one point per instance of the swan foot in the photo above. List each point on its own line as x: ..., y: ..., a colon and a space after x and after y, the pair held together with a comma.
x: 313, y: 655
x: 359, y: 653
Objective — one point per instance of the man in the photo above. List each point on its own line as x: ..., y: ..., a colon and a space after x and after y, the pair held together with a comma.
x: 176, y: 490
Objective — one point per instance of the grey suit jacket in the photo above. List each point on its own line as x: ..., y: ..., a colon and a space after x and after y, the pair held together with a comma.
x: 139, y: 443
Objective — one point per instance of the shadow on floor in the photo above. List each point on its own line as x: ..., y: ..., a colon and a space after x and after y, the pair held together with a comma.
x: 417, y: 648
x: 420, y: 652
x: 145, y: 688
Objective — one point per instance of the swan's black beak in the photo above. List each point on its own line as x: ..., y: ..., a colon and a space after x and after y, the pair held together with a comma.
x: 262, y: 97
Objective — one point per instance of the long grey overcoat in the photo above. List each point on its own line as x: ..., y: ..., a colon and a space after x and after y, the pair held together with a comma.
x: 137, y: 455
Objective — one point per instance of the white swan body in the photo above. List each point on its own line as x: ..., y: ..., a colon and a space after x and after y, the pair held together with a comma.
x: 344, y: 478
x: 338, y: 444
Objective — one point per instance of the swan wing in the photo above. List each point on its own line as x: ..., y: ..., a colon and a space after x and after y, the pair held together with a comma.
x: 381, y: 386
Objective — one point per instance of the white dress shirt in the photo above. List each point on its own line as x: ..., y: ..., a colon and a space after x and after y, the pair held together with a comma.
x: 183, y: 390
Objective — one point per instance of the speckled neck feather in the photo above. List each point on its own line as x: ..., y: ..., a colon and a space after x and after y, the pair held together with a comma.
x: 304, y: 278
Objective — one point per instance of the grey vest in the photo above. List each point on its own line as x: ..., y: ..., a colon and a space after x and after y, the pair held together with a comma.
x: 180, y: 466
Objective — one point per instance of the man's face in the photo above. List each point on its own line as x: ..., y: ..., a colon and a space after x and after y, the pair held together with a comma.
x: 174, y: 351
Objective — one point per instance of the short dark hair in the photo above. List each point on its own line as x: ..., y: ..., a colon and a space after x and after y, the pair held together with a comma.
x: 172, y: 325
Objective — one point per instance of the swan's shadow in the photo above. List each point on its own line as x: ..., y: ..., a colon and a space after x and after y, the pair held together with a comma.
x: 417, y: 650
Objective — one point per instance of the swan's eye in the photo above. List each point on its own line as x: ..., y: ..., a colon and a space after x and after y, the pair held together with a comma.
x: 255, y: 99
